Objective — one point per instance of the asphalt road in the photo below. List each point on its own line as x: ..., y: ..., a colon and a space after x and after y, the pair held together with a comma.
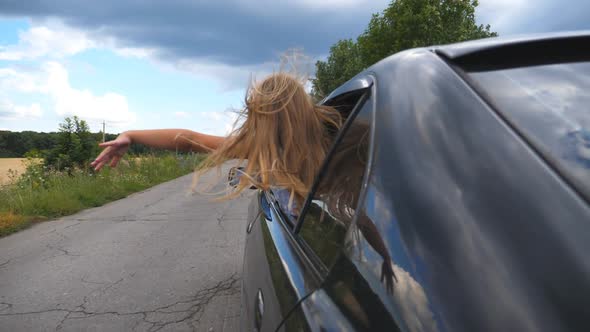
x: 159, y: 260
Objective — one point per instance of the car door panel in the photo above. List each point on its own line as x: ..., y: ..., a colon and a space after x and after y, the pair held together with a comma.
x: 272, y: 266
x: 257, y: 275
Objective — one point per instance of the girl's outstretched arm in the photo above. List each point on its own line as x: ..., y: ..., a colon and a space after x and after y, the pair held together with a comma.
x: 170, y: 139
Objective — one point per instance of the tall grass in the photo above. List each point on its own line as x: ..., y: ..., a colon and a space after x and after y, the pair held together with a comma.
x: 41, y: 194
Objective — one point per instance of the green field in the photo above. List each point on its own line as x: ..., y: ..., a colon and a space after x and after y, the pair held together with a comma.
x: 41, y: 194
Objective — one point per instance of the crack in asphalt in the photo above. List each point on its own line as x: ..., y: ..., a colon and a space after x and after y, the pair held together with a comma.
x: 64, y: 252
x: 50, y: 232
x: 6, y: 306
x: 158, y: 318
x: 124, y: 219
x: 221, y: 215
x: 72, y: 225
x: 82, y: 306
x: 5, y: 263
x: 155, y: 202
x: 84, y: 280
x: 218, y: 246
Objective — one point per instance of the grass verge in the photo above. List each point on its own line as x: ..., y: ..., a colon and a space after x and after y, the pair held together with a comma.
x: 40, y: 194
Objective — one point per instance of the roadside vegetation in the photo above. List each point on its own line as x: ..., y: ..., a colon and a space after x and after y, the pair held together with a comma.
x: 42, y: 193
x: 59, y: 182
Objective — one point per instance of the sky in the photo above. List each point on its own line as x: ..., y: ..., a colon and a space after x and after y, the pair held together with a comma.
x: 186, y: 64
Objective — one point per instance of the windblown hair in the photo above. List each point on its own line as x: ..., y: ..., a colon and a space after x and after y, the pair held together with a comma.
x: 283, y: 136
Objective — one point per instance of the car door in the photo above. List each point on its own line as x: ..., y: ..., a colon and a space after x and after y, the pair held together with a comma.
x: 278, y: 272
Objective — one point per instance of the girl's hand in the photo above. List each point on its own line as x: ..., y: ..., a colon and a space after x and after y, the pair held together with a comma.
x: 388, y: 275
x: 113, y: 152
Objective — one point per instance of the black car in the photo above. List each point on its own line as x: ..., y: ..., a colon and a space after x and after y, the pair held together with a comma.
x: 455, y: 198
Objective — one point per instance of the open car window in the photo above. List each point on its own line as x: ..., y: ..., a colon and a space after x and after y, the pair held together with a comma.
x: 346, y: 104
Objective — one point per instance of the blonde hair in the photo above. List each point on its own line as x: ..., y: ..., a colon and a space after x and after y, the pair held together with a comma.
x: 283, y: 136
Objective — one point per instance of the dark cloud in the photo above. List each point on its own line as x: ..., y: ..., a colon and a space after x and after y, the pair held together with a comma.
x: 234, y: 32
x: 242, y: 33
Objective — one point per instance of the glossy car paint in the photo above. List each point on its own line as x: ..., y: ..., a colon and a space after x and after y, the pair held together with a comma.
x: 273, y: 265
x: 483, y: 234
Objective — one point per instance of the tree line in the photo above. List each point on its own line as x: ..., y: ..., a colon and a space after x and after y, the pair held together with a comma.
x: 72, y: 145
x: 404, y: 24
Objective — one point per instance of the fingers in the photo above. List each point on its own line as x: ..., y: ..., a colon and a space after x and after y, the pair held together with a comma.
x: 111, y: 154
x: 104, y: 157
x: 99, y: 165
x: 109, y: 143
x: 115, y: 161
x: 101, y: 157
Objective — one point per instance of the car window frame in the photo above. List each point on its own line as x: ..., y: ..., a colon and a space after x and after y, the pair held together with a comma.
x: 368, y: 97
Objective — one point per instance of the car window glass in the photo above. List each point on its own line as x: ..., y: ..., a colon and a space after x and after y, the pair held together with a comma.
x: 550, y: 104
x: 332, y: 208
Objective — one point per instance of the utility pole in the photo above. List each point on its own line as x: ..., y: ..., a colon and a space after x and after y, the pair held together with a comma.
x: 103, y: 130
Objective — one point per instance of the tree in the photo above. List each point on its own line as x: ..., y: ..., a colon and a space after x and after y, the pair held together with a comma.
x: 75, y: 145
x: 344, y: 62
x: 402, y: 25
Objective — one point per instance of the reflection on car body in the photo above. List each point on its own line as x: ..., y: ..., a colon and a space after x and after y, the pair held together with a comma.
x: 454, y: 198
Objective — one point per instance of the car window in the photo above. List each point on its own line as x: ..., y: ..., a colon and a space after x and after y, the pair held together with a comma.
x: 550, y: 105
x: 345, y: 104
x: 331, y: 206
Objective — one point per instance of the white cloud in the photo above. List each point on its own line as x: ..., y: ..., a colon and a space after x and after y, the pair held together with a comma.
x: 111, y: 106
x: 232, y: 77
x: 42, y: 41
x: 215, y: 122
x: 412, y: 302
x: 51, y: 40
x: 228, y: 77
x: 21, y: 80
x: 132, y: 52
x: 10, y: 111
x: 54, y: 40
x: 111, y: 43
x: 52, y: 80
